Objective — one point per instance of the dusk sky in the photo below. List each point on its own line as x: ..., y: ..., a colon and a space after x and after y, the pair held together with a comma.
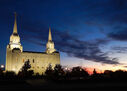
x: 88, y: 33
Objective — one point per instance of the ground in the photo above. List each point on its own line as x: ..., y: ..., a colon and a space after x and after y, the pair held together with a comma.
x: 40, y: 84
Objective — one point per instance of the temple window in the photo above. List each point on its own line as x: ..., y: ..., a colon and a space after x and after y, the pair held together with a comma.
x: 33, y: 60
x: 23, y: 60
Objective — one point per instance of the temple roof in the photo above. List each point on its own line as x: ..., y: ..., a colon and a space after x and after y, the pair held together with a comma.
x: 38, y: 52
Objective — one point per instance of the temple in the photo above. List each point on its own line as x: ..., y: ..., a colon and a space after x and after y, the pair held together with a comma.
x: 16, y: 57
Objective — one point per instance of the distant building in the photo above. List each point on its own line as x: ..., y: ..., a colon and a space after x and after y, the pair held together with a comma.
x: 15, y: 56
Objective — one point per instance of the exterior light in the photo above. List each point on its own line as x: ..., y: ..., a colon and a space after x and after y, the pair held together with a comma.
x: 2, y: 66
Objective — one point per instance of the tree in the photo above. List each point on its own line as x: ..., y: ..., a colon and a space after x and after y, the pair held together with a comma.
x: 10, y: 74
x: 55, y: 74
x: 94, y: 72
x: 58, y: 70
x: 26, y: 66
x: 108, y: 73
x: 78, y: 72
x: 1, y: 72
x: 49, y: 70
x: 25, y: 70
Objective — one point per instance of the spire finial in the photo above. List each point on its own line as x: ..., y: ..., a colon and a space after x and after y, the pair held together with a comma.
x: 15, y: 24
x: 50, y: 35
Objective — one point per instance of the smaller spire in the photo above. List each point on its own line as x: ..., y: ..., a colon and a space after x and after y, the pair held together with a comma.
x: 15, y: 25
x: 50, y: 35
x: 50, y: 44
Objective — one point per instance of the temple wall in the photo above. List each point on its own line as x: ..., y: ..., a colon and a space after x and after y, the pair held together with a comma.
x: 39, y: 61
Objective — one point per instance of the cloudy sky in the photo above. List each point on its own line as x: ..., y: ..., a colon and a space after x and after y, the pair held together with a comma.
x: 89, y: 33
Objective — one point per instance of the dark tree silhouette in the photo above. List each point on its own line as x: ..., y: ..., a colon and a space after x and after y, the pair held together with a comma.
x: 120, y: 74
x: 49, y: 70
x: 55, y: 74
x: 10, y: 74
x: 94, y: 72
x: 58, y: 71
x: 108, y: 73
x: 1, y: 72
x: 25, y: 70
x: 26, y: 66
x: 79, y: 73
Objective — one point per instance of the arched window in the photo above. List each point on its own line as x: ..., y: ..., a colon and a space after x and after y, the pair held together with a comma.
x: 23, y: 60
x: 33, y: 60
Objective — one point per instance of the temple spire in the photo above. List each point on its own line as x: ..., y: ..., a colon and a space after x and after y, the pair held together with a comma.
x: 50, y: 35
x: 15, y: 25
x: 14, y: 38
x: 50, y: 44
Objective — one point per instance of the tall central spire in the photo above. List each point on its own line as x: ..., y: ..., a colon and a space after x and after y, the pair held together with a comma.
x: 15, y: 25
x: 50, y: 35
x: 14, y: 38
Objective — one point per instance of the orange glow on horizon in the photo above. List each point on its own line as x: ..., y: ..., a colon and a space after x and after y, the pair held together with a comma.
x: 90, y: 70
x: 103, y: 68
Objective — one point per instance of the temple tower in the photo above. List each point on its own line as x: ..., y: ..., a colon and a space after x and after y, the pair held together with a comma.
x: 50, y: 44
x: 15, y: 39
x: 12, y: 46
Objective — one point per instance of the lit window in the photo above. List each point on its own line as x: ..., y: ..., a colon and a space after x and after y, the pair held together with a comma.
x: 23, y: 60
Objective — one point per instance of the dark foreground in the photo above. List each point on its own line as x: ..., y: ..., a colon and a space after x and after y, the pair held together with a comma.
x: 58, y: 79
x: 40, y: 84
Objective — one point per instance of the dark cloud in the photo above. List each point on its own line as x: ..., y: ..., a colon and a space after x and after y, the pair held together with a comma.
x: 87, y: 51
x: 121, y: 34
x: 119, y: 49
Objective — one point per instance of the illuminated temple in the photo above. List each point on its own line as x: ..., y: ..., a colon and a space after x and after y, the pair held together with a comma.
x: 16, y: 57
